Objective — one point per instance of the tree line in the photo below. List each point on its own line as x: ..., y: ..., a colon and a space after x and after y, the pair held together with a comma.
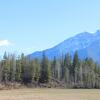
x: 72, y: 72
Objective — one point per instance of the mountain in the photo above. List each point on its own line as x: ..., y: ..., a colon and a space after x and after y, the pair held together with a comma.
x: 87, y: 45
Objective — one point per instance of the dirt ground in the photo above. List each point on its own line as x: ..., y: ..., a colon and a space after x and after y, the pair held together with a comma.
x: 50, y: 94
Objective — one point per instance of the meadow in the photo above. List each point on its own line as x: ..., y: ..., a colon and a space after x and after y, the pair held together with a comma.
x: 50, y: 94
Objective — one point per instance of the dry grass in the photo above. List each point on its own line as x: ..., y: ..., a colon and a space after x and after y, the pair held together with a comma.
x: 50, y: 94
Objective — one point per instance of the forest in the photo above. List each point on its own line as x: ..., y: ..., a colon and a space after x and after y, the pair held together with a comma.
x: 64, y: 72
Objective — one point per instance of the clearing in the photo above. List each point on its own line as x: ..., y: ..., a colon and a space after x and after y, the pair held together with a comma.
x: 50, y: 94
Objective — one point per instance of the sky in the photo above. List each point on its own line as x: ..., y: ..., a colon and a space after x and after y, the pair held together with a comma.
x: 33, y: 25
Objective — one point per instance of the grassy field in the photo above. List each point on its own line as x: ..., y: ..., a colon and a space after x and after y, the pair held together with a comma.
x: 50, y: 94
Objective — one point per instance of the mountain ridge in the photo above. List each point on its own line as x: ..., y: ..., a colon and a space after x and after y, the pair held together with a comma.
x: 80, y: 42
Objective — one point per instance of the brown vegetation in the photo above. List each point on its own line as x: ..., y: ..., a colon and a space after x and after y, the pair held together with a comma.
x: 50, y: 94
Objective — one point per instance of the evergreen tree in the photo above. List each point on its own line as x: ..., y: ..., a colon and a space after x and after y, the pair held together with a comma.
x: 72, y: 73
x: 12, y: 68
x: 75, y: 66
x: 6, y: 68
x: 27, y: 76
x: 45, y: 70
x: 35, y: 70
x: 53, y: 68
x: 67, y: 64
x: 22, y: 60
x: 18, y: 70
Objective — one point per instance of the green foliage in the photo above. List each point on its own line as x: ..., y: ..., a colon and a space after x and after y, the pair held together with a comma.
x: 45, y: 70
x: 71, y: 72
x: 35, y: 70
x: 18, y: 70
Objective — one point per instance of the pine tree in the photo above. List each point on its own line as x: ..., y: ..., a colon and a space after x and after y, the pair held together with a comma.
x: 45, y: 70
x: 18, y: 70
x: 22, y: 60
x: 67, y: 64
x: 53, y: 68
x: 12, y: 68
x: 75, y: 66
x: 27, y: 76
x: 35, y: 70
x: 6, y: 68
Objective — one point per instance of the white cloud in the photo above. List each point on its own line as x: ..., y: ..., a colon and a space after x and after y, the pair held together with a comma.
x: 5, y: 43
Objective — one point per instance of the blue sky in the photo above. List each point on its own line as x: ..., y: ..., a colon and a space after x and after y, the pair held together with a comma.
x: 31, y: 25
